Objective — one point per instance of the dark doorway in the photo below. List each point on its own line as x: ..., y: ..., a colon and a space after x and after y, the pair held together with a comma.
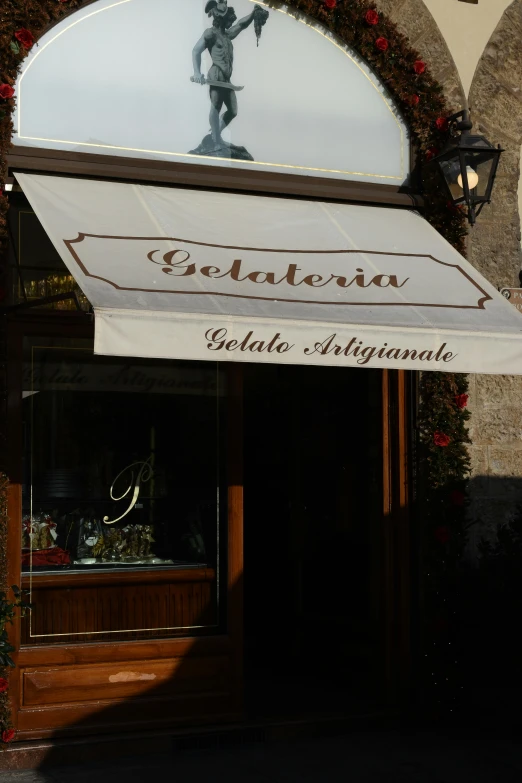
x: 313, y: 516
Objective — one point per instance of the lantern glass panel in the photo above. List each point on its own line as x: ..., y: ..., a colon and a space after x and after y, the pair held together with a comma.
x: 451, y: 172
x: 483, y: 166
x: 476, y: 165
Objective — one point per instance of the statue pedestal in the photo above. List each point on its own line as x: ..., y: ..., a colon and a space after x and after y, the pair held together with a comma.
x: 209, y: 148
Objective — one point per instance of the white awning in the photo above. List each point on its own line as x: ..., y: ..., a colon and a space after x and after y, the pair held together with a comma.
x: 186, y: 274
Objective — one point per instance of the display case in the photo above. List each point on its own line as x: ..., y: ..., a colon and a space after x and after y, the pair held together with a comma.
x: 122, y: 501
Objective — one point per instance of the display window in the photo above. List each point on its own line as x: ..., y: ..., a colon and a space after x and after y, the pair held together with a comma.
x: 206, y: 541
x: 122, y: 502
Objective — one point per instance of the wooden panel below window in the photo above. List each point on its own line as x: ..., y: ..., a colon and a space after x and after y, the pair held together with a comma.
x: 125, y: 680
x: 69, y: 612
x: 81, y: 688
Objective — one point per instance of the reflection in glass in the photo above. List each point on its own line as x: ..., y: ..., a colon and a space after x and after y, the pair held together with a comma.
x: 38, y: 272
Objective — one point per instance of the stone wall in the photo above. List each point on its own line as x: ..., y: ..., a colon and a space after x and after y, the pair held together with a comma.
x: 495, y: 249
x: 496, y: 104
x: 496, y: 453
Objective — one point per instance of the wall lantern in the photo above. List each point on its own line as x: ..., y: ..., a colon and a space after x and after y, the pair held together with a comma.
x: 468, y: 164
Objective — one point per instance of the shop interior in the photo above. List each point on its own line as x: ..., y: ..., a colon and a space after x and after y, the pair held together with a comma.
x: 313, y: 484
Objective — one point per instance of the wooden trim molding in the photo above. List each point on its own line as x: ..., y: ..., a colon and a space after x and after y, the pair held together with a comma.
x: 96, y: 578
x: 86, y: 653
x: 81, y: 164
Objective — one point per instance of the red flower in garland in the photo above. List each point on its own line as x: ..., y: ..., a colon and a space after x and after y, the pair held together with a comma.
x: 441, y: 439
x: 442, y: 123
x: 442, y: 534
x: 6, y: 91
x: 330, y: 3
x: 419, y: 67
x: 382, y: 44
x: 8, y: 735
x: 453, y: 207
x: 25, y: 37
x: 461, y: 400
x: 431, y: 152
x: 457, y: 497
x: 371, y: 16
x: 4, y: 685
x: 414, y: 100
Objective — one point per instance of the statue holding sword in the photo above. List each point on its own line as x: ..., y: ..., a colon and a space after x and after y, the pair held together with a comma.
x: 218, y: 41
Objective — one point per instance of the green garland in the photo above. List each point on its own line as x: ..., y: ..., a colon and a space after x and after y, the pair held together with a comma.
x: 445, y: 464
x: 420, y: 99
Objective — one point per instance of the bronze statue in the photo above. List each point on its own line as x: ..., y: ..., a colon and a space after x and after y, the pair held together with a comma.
x: 218, y: 40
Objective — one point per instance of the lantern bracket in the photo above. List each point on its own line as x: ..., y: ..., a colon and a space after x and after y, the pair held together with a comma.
x: 460, y: 122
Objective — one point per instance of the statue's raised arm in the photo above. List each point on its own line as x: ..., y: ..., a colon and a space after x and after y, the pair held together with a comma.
x: 259, y: 16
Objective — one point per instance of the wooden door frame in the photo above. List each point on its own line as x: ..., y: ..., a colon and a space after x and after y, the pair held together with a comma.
x: 396, y: 534
x: 398, y: 389
x: 229, y: 643
x: 398, y: 399
x: 235, y: 624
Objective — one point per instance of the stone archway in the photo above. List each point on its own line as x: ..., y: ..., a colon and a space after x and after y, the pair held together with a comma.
x: 420, y: 28
x: 496, y: 104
